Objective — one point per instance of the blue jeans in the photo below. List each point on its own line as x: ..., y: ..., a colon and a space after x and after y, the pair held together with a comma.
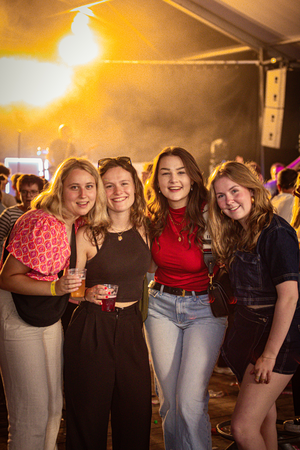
x: 184, y: 339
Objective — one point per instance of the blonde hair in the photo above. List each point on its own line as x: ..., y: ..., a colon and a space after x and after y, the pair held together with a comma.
x: 228, y: 235
x: 51, y: 200
x: 295, y: 222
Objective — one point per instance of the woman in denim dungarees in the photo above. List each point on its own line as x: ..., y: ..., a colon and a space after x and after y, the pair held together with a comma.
x: 261, y: 251
x: 183, y: 335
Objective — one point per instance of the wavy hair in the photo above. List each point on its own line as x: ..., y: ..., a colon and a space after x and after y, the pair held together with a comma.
x: 158, y: 206
x: 228, y: 235
x: 295, y: 222
x: 51, y: 199
x: 138, y: 209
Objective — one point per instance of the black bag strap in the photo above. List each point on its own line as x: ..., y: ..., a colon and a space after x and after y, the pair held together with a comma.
x: 73, y: 255
x: 209, y: 259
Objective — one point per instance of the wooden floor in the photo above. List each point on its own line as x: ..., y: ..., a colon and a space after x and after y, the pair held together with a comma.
x: 223, y: 391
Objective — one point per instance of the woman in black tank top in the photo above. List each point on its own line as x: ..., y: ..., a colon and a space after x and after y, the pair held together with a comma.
x: 106, y: 358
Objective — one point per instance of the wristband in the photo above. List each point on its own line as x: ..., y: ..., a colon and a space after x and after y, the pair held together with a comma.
x: 53, y: 292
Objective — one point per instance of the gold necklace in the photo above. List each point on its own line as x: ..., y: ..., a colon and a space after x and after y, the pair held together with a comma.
x: 174, y: 223
x: 119, y: 233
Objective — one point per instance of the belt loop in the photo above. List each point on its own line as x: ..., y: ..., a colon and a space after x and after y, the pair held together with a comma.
x: 183, y: 293
x: 162, y: 288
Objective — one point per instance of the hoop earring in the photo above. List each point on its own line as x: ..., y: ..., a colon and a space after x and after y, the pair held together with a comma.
x: 222, y: 214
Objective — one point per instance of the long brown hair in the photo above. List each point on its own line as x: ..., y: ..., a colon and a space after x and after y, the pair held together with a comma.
x: 158, y: 206
x: 228, y: 235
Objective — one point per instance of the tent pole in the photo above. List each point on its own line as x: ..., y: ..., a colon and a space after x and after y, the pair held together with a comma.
x: 261, y: 90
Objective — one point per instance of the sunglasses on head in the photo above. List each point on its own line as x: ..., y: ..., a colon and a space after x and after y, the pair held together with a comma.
x: 125, y: 159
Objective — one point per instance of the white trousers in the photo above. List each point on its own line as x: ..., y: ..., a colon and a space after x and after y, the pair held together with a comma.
x: 31, y: 367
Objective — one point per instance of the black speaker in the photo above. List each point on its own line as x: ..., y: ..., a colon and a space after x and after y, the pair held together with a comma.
x: 281, y: 120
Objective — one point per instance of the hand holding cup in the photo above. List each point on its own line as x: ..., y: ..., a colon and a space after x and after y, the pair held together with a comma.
x: 103, y: 295
x: 79, y: 274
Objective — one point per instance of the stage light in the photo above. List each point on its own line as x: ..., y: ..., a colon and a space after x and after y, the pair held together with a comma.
x: 80, y: 47
x: 32, y: 82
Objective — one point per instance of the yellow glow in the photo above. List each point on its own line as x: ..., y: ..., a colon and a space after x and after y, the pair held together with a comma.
x: 85, y: 10
x: 32, y: 82
x: 80, y: 24
x: 80, y: 47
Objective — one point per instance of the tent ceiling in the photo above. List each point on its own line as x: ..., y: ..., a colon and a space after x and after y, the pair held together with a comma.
x: 257, y: 24
x: 158, y: 29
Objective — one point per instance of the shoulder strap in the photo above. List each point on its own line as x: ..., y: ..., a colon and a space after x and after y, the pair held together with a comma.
x: 95, y: 240
x: 73, y: 256
x: 208, y: 257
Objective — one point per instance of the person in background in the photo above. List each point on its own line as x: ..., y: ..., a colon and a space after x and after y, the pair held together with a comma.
x: 257, y: 169
x: 2, y: 207
x: 271, y: 184
x: 105, y: 352
x: 61, y: 148
x: 284, y: 201
x: 28, y: 187
x: 275, y: 169
x: 260, y: 250
x: 14, y: 179
x: 35, y: 295
x: 182, y: 334
x: 7, y: 199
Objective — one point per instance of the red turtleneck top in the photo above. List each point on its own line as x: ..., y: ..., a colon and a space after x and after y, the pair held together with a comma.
x: 179, y: 264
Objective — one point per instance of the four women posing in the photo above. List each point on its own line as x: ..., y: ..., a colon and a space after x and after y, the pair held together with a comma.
x: 106, y: 359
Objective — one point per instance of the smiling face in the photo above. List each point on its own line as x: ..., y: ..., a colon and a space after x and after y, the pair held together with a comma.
x: 79, y: 193
x: 233, y: 199
x: 173, y: 181
x: 120, y: 189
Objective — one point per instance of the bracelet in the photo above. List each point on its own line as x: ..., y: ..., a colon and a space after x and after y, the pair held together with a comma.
x: 53, y: 291
x: 267, y: 357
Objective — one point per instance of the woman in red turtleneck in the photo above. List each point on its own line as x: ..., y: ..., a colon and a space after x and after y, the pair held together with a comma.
x: 182, y: 334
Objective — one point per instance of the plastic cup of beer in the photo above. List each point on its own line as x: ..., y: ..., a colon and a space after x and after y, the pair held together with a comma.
x: 108, y: 304
x: 80, y: 273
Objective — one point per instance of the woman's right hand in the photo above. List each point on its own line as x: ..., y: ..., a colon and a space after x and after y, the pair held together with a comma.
x: 67, y: 284
x: 96, y: 293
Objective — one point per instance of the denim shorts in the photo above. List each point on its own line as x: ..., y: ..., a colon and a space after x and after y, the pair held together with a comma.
x: 248, y: 336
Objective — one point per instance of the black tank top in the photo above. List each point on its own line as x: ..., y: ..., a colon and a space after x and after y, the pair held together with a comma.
x: 122, y: 262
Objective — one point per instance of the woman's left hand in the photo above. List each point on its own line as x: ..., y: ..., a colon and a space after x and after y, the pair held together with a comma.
x: 263, y: 369
x: 95, y: 294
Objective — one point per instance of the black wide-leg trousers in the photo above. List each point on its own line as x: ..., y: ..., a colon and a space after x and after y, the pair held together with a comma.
x: 106, y: 370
